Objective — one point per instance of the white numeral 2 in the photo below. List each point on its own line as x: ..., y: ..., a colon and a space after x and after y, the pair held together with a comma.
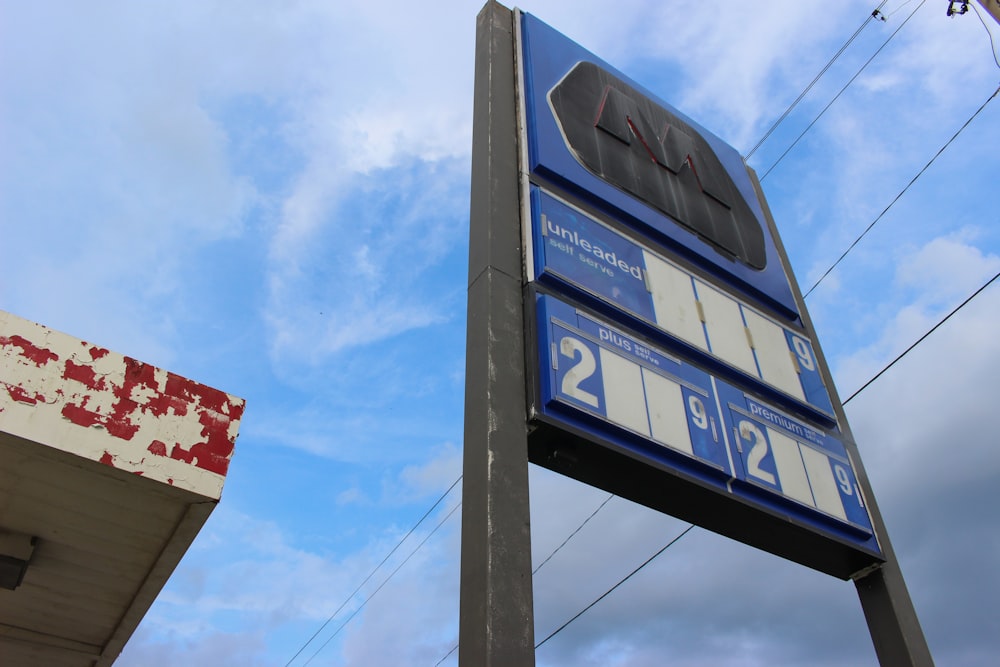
x: 750, y: 433
x: 578, y: 372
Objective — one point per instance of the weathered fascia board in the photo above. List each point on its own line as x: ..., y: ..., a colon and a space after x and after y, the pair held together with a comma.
x: 65, y: 393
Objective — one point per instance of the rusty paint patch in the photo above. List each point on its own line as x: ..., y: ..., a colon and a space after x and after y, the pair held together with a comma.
x: 37, y: 355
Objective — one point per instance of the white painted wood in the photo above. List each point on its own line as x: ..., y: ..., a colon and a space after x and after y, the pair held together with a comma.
x: 667, y: 416
x: 791, y: 472
x: 824, y: 484
x: 623, y: 392
x: 773, y: 355
x: 674, y: 303
x: 726, y: 332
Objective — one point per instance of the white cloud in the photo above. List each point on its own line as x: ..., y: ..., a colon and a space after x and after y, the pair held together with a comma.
x: 428, y: 478
x: 947, y: 268
x: 929, y: 282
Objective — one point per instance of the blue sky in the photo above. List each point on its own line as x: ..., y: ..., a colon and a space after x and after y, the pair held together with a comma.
x: 274, y: 201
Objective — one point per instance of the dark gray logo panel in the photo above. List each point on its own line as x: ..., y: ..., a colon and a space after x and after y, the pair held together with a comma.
x: 635, y: 144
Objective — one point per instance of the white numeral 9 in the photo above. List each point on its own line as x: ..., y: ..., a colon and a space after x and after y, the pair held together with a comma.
x: 698, y: 414
x: 803, y: 353
x: 843, y: 479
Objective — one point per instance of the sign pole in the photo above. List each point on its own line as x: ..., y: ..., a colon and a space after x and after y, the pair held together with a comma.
x: 496, y: 626
x: 892, y: 620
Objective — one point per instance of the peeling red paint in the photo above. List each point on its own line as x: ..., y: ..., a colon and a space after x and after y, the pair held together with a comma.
x: 37, y: 355
x: 178, y: 453
x: 206, y: 397
x: 160, y: 404
x: 170, y: 481
x: 84, y: 375
x: 214, y: 453
x: 21, y: 395
x: 115, y: 424
x: 127, y: 396
x: 138, y: 373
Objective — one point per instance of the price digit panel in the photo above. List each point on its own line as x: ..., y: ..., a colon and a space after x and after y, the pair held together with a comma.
x: 778, y: 453
x: 572, y: 249
x: 621, y: 389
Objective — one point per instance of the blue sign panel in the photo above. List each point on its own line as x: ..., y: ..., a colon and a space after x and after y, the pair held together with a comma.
x: 599, y: 136
x: 572, y: 246
x: 600, y: 265
x: 672, y: 350
x: 662, y: 407
x: 607, y: 382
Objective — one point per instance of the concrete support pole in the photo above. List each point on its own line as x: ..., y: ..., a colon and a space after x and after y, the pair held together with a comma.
x: 496, y: 626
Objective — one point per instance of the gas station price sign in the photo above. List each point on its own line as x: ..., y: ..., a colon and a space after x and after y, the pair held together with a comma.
x: 672, y: 364
x: 655, y: 406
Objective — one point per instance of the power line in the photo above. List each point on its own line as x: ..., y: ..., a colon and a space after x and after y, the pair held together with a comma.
x: 372, y: 573
x: 889, y: 15
x: 571, y: 535
x: 921, y: 339
x: 837, y: 96
x: 989, y: 34
x: 812, y: 83
x: 446, y: 655
x: 398, y: 567
x: 547, y: 558
x: 901, y: 192
x: 620, y: 582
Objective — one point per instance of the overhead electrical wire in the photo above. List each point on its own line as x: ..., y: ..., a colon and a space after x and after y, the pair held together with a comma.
x: 571, y: 535
x: 901, y: 193
x: 989, y: 34
x: 547, y: 558
x: 921, y: 339
x: 446, y: 655
x: 610, y: 590
x: 889, y: 15
x: 812, y: 83
x: 391, y: 575
x: 841, y: 91
x: 372, y: 573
